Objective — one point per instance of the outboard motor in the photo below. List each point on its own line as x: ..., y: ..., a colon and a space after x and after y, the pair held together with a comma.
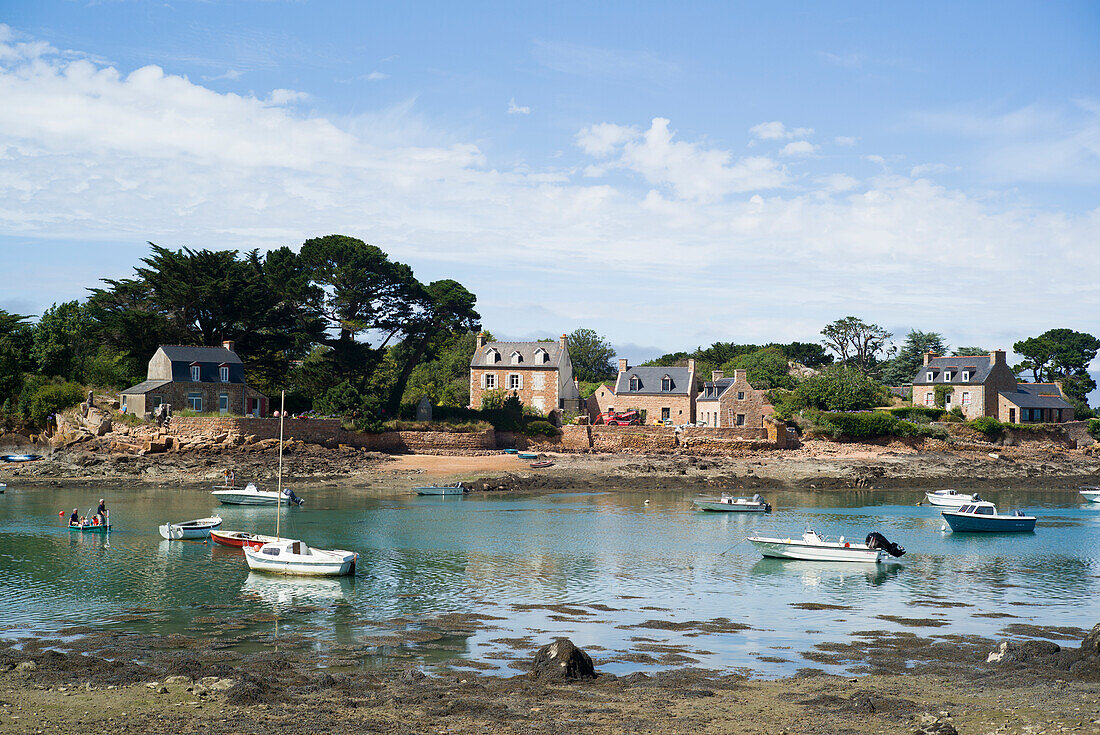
x: 292, y: 497
x: 876, y: 540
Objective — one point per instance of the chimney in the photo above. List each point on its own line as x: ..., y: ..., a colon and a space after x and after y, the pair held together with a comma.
x: 480, y: 340
x: 717, y: 375
x: 741, y: 376
x: 576, y: 382
x: 562, y: 341
x: 623, y: 365
x: 228, y: 344
x: 927, y: 357
x: 996, y: 356
x: 691, y: 365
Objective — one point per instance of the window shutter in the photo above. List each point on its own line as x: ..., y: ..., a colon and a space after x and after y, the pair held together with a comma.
x: 521, y: 381
x: 483, y: 381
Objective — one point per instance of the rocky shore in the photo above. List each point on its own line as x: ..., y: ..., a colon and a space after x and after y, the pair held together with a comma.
x: 128, y: 683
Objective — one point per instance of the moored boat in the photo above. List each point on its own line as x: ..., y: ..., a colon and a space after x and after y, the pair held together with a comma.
x: 251, y: 495
x: 733, y: 504
x: 20, y: 457
x: 3, y: 488
x: 288, y: 556
x: 240, y: 539
x: 983, y: 517
x: 951, y: 498
x: 91, y: 525
x: 542, y: 465
x: 198, y: 528
x: 527, y: 455
x: 815, y: 547
x: 456, y: 489
x: 511, y: 451
x: 1090, y: 493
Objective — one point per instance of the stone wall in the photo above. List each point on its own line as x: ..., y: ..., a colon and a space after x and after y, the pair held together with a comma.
x: 633, y: 439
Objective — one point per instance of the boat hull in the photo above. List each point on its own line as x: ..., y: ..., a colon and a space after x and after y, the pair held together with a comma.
x: 949, y: 501
x: 240, y: 497
x: 720, y: 507
x: 184, y: 531
x: 239, y: 539
x: 440, y: 491
x: 967, y: 523
x: 792, y: 549
x: 319, y: 566
x: 1093, y: 496
x: 90, y: 529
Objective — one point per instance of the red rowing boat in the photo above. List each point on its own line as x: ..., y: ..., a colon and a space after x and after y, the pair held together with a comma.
x: 240, y: 539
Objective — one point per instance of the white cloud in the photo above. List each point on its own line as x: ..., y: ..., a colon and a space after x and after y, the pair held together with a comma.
x: 778, y: 131
x: 690, y: 170
x: 514, y: 109
x: 924, y: 169
x: 846, y: 140
x: 231, y: 75
x: 281, y: 96
x: 101, y: 156
x: 376, y: 76
x: 874, y: 158
x: 798, y: 148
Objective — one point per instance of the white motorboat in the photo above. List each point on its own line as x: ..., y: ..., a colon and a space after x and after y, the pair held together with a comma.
x: 1090, y: 493
x: 815, y: 547
x: 251, y: 495
x: 733, y: 504
x: 198, y: 528
x: 951, y: 498
x: 288, y: 556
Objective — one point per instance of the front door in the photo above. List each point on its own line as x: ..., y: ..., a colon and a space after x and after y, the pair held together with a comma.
x: 223, y: 403
x: 1012, y: 415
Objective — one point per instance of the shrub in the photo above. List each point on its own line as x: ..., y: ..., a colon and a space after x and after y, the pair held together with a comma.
x: 540, y: 428
x: 956, y: 414
x: 988, y: 425
x: 1094, y: 428
x: 910, y: 429
x: 858, y: 425
x: 839, y: 388
x: 50, y: 399
x: 921, y: 414
x: 942, y: 392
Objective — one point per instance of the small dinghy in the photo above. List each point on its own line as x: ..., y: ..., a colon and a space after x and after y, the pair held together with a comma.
x: 289, y: 556
x: 733, y: 504
x: 1089, y: 493
x: 240, y: 539
x: 198, y: 528
x: 527, y: 455
x: 20, y: 457
x: 815, y: 547
x: 541, y: 465
x: 251, y: 495
x: 951, y: 499
x: 511, y: 451
x: 91, y: 525
x: 456, y: 489
x: 983, y: 517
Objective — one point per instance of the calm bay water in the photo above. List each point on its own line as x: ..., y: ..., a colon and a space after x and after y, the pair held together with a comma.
x: 614, y: 561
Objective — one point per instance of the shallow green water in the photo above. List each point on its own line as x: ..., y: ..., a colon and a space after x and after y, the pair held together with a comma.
x: 614, y: 560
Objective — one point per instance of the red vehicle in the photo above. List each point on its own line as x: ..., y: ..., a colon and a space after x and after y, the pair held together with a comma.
x: 624, y: 418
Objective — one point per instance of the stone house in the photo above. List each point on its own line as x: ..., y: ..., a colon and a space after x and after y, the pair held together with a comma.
x: 732, y: 402
x: 986, y: 386
x: 662, y: 392
x: 202, y: 379
x: 540, y: 373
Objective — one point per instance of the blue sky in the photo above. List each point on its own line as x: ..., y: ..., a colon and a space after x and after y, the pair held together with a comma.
x: 667, y: 175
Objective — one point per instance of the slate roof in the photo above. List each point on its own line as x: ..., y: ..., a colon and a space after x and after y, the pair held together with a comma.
x: 1036, y: 395
x: 526, y: 350
x: 146, y: 386
x: 979, y: 367
x: 722, y: 385
x: 650, y: 381
x: 216, y: 355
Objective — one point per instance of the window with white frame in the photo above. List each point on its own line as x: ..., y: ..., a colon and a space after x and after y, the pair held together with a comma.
x: 930, y: 376
x: 492, y: 355
x: 223, y: 373
x: 194, y: 401
x: 740, y: 395
x: 223, y: 403
x: 929, y: 399
x: 516, y: 358
x: 635, y: 383
x: 947, y: 376
x: 542, y: 356
x: 966, y: 398
x: 666, y: 383
x: 966, y: 376
x: 490, y: 380
x: 196, y: 373
x: 515, y: 381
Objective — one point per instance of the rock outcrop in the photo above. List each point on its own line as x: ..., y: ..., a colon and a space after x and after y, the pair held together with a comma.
x: 562, y: 660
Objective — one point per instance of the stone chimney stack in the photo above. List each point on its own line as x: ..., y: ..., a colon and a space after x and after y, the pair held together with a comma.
x: 717, y: 375
x: 228, y: 344
x: 740, y: 376
x: 691, y: 365
x: 927, y: 357
x: 562, y: 341
x: 623, y: 365
x: 996, y: 356
x: 480, y: 340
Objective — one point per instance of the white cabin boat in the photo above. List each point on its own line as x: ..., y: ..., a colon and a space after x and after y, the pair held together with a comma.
x: 288, y: 556
x: 950, y: 498
x: 251, y: 495
x: 733, y: 504
x: 198, y: 528
x: 815, y: 547
x: 1091, y: 494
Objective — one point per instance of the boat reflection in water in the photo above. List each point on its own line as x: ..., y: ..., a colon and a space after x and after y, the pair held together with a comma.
x: 291, y: 590
x: 834, y: 573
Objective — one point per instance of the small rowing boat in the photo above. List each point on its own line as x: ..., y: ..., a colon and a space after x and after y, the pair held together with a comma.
x: 240, y: 539
x: 456, y: 489
x: 511, y: 451
x: 541, y: 465
x: 91, y: 525
x: 20, y: 457
x: 198, y: 528
x: 733, y: 504
x: 527, y: 455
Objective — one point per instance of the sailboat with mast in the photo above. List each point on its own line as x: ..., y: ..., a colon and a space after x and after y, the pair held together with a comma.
x: 291, y: 556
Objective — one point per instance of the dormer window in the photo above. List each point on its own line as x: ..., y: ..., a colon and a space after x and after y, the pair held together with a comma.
x: 930, y: 376
x: 491, y: 355
x: 223, y: 373
x: 196, y: 373
x: 635, y: 383
x: 516, y: 358
x: 542, y: 356
x: 666, y: 383
x: 966, y: 376
x: 947, y: 376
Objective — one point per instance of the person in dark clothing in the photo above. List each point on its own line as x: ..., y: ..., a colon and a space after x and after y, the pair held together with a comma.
x: 74, y: 518
x: 101, y: 511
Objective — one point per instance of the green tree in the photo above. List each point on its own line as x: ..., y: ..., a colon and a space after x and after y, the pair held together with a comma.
x: 766, y: 368
x: 910, y: 358
x: 840, y: 388
x: 16, y: 339
x: 810, y: 354
x: 970, y: 352
x: 592, y: 356
x: 63, y: 341
x: 1060, y: 355
x: 856, y: 342
x: 445, y: 379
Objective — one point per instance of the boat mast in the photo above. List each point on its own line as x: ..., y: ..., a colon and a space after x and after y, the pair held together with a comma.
x: 279, y: 480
